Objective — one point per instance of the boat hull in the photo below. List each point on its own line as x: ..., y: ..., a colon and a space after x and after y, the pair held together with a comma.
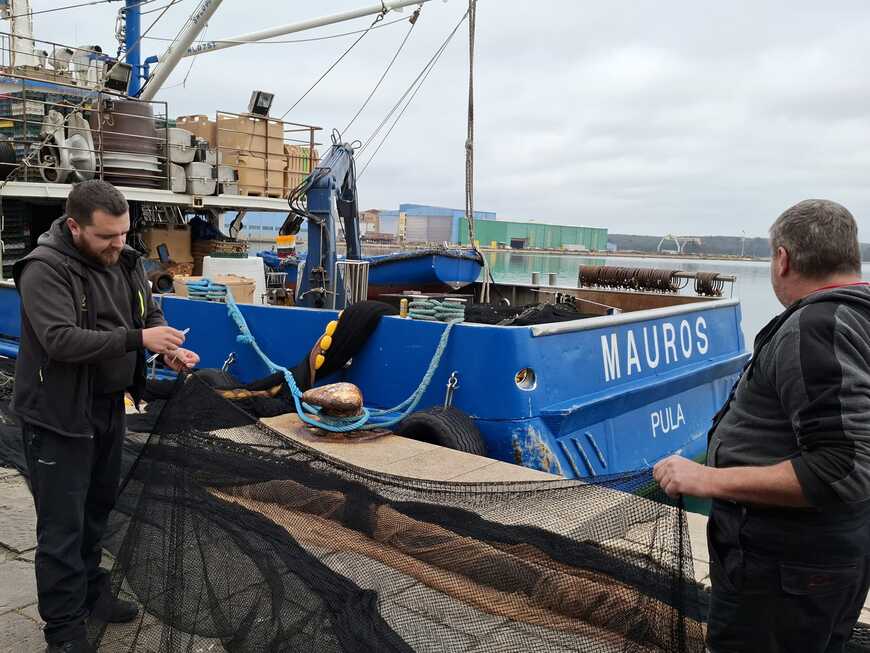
x: 600, y: 396
x: 426, y: 272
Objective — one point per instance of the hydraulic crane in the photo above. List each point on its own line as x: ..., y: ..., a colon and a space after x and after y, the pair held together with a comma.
x: 327, y: 198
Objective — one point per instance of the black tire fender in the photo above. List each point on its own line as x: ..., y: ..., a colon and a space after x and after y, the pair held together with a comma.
x: 447, y: 427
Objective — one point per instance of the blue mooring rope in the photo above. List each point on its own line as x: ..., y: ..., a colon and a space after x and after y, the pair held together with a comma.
x: 370, y: 417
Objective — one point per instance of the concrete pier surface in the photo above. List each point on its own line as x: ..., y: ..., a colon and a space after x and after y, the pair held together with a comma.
x: 21, y: 627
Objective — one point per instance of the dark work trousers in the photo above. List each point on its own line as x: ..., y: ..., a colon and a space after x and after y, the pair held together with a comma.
x: 784, y: 585
x: 74, y: 483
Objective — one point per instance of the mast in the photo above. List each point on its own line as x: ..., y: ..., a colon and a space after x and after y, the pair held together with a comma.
x: 132, y: 46
x: 176, y: 50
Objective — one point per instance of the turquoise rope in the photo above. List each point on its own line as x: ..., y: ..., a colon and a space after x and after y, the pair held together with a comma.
x: 371, y: 417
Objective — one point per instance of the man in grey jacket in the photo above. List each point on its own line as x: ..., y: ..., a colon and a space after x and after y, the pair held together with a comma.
x: 86, y: 317
x: 788, y: 459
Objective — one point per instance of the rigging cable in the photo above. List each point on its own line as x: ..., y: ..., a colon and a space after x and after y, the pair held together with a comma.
x: 283, y: 41
x: 416, y: 85
x: 377, y: 20
x: 413, y: 21
x: 75, y: 6
x: 183, y: 82
x: 422, y: 73
x: 469, y: 141
x: 151, y: 11
x: 488, y: 280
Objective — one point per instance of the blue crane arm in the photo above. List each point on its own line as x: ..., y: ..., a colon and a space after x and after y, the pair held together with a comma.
x: 331, y: 196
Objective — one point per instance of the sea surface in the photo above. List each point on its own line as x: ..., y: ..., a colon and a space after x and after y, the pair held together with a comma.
x: 757, y: 301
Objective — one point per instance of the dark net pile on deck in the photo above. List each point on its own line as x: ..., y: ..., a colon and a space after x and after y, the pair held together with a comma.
x: 233, y: 537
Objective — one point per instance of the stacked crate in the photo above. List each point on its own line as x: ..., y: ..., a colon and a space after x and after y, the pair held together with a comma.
x: 254, y: 147
x: 251, y: 145
x: 299, y: 164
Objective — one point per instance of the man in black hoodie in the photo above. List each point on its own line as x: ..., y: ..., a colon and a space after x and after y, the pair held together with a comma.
x: 86, y: 317
x: 788, y: 460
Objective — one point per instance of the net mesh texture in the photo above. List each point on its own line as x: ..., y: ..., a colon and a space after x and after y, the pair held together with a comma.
x: 230, y: 536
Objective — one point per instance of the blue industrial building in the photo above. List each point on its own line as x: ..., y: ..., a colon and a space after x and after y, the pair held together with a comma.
x: 429, y: 224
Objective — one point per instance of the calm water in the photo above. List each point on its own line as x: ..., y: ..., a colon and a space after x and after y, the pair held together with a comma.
x: 752, y: 287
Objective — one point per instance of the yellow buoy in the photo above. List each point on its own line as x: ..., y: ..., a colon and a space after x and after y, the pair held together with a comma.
x: 330, y: 328
x: 326, y: 342
x: 319, y: 361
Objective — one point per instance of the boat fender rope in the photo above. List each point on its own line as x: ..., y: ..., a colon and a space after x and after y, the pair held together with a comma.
x: 370, y: 417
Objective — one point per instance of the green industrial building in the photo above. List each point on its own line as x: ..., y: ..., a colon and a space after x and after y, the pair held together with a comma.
x: 533, y: 235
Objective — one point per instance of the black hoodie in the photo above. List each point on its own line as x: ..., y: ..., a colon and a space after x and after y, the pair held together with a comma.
x: 81, y: 331
x: 805, y: 397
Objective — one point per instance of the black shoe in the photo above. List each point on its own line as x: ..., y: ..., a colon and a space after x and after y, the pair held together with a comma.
x: 76, y: 646
x: 114, y: 611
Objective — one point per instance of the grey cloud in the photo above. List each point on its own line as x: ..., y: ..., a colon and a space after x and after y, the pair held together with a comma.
x: 637, y: 115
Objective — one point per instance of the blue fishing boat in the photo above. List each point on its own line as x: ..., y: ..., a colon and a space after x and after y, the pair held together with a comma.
x: 629, y: 378
x: 580, y: 398
x: 427, y: 270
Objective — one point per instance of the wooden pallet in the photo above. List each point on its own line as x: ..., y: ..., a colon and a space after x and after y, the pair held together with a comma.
x: 247, y: 192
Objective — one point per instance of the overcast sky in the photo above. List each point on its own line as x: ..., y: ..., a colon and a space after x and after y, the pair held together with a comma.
x: 639, y: 116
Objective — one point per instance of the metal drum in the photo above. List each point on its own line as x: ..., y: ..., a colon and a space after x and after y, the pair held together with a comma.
x: 126, y: 136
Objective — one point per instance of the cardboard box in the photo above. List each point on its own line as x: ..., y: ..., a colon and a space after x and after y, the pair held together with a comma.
x: 292, y: 180
x: 176, y: 239
x: 299, y: 158
x: 254, y: 178
x: 242, y: 288
x: 239, y: 136
x: 200, y: 126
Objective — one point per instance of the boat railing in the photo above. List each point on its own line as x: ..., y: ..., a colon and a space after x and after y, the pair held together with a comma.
x: 46, y: 86
x: 57, y: 132
x: 271, y: 157
x: 83, y: 66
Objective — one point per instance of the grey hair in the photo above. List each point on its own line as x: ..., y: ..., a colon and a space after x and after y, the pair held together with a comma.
x: 821, y: 238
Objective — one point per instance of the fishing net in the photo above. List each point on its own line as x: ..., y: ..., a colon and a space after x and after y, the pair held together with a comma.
x: 232, y: 536
x: 524, y: 315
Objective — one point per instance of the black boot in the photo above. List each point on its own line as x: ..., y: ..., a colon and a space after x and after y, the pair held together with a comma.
x: 75, y: 646
x: 114, y: 611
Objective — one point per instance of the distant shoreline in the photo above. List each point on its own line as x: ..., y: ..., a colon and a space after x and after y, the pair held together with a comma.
x: 664, y: 255
x: 392, y: 247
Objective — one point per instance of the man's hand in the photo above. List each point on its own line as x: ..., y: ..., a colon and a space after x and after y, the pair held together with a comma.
x: 162, y: 339
x: 181, y: 359
x: 677, y: 475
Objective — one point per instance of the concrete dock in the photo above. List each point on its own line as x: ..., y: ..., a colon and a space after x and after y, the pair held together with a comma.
x: 21, y: 627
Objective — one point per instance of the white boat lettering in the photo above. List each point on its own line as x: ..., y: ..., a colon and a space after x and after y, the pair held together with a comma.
x: 670, y: 335
x: 652, y: 363
x: 701, y: 333
x: 672, y: 343
x: 633, y: 358
x: 686, y: 339
x: 666, y: 420
x: 611, y: 357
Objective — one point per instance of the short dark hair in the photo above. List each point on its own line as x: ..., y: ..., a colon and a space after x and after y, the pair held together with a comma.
x: 89, y: 196
x: 821, y: 238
